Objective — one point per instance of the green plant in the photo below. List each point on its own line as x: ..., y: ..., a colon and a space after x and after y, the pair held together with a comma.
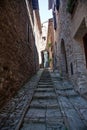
x: 60, y: 74
x: 50, y: 60
x: 70, y: 5
x: 49, y: 44
x: 66, y: 128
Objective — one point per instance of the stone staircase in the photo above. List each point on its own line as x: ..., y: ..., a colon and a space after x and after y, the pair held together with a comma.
x: 44, y: 112
x: 82, y: 83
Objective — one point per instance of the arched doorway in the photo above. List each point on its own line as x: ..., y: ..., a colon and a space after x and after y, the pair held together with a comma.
x: 64, y: 58
x: 45, y: 59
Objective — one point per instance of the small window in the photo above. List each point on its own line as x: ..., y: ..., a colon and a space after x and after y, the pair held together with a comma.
x: 44, y: 38
x: 71, y: 65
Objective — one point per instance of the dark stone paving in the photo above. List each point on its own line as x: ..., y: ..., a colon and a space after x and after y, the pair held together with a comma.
x: 50, y: 104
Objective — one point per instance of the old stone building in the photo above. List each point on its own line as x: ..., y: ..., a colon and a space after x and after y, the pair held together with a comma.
x: 38, y: 33
x: 70, y: 41
x: 44, y: 26
x: 17, y: 45
x: 50, y: 42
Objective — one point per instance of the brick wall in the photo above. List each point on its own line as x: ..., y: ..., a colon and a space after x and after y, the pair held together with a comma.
x: 17, y: 62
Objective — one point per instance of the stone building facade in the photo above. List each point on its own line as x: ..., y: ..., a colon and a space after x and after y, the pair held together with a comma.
x: 38, y: 33
x: 17, y: 45
x: 50, y: 42
x: 70, y: 42
x: 44, y: 26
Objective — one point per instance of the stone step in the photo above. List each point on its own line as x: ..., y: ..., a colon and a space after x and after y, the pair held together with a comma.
x: 43, y: 126
x: 44, y: 97
x: 42, y: 106
x: 36, y: 115
x: 44, y: 94
x: 33, y: 126
x: 44, y: 82
x: 44, y: 90
x: 44, y: 102
x: 45, y: 79
x: 45, y: 86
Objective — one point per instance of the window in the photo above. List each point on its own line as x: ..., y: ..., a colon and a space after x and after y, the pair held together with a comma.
x: 44, y: 38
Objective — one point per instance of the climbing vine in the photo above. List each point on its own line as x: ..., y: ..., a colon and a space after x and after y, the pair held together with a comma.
x: 71, y: 5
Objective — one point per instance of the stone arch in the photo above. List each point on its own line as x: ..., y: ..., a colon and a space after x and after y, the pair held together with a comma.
x: 45, y: 59
x: 64, y: 58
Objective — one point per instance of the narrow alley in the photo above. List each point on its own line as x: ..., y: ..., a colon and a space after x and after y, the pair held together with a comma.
x: 46, y: 102
x: 43, y: 64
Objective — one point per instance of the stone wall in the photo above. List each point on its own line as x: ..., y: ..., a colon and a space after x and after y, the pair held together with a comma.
x: 63, y: 35
x: 17, y: 48
x: 38, y: 32
x: 44, y: 26
x: 50, y: 42
x: 79, y: 29
x: 70, y: 49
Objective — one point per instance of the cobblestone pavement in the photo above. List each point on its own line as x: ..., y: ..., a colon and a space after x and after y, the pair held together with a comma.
x: 54, y: 106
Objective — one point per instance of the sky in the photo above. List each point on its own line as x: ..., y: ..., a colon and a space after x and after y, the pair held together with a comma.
x: 45, y: 14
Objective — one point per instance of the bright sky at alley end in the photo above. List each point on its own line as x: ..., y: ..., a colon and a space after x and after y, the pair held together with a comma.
x: 45, y: 14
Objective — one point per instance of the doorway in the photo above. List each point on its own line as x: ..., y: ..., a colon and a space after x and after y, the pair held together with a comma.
x: 46, y: 59
x: 64, y: 58
x: 85, y: 47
